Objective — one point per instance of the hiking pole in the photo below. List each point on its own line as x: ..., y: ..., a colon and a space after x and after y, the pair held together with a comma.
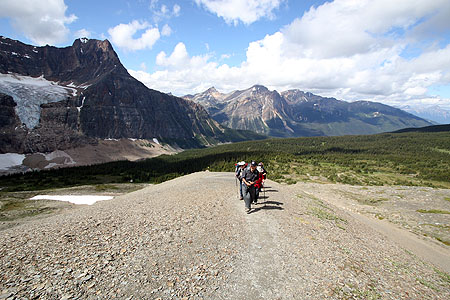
x: 264, y: 191
x: 238, y: 190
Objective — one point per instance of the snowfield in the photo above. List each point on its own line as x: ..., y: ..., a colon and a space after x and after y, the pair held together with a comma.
x: 79, y: 199
x: 29, y: 93
x: 9, y: 160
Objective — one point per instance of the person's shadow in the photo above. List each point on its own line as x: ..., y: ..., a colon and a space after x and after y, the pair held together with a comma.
x: 269, y: 205
x: 266, y: 204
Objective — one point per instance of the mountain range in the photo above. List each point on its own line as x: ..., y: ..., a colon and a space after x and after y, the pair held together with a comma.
x: 59, y: 98
x: 295, y: 113
x: 54, y: 99
x: 434, y: 113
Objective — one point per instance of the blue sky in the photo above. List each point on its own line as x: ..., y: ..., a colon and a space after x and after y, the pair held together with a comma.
x: 394, y: 52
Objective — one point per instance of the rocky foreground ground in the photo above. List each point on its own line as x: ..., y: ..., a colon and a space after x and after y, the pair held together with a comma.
x: 189, y: 238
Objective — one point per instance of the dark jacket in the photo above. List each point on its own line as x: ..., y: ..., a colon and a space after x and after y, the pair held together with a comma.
x: 249, y: 175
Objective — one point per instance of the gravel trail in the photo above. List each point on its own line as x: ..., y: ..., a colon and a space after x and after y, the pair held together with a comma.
x: 189, y: 238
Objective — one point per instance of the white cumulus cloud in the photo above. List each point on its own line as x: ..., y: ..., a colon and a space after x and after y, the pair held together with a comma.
x: 43, y: 22
x: 122, y: 35
x: 82, y: 33
x: 351, y: 50
x: 247, y: 12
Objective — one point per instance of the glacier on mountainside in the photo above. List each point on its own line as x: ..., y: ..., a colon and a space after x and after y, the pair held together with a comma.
x: 9, y: 160
x: 29, y: 93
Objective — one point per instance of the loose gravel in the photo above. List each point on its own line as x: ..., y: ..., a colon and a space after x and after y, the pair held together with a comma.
x: 190, y: 238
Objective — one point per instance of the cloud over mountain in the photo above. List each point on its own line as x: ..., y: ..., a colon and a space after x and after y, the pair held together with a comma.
x: 122, y: 35
x: 43, y: 22
x: 345, y: 49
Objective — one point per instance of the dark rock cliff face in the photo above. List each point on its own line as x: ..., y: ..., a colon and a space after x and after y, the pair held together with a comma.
x: 57, y: 129
x: 80, y: 63
x: 11, y: 132
x: 103, y: 101
x: 121, y: 106
x: 296, y: 113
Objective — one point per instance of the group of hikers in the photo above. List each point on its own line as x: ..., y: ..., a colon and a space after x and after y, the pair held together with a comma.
x: 251, y: 177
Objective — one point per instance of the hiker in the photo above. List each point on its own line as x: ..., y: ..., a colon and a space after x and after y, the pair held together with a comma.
x: 249, y: 177
x: 264, y: 172
x: 239, y: 169
x: 259, y: 183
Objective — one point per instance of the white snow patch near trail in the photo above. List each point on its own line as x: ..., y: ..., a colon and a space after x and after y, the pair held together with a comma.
x: 30, y: 92
x: 9, y: 160
x: 78, y: 199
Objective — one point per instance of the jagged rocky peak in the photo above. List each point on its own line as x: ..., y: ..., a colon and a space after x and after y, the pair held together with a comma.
x: 80, y: 63
x: 257, y: 88
x: 295, y: 95
x: 211, y: 90
x: 210, y: 97
x: 105, y: 46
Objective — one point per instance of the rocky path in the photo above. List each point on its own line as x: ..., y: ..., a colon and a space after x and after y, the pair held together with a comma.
x: 189, y: 238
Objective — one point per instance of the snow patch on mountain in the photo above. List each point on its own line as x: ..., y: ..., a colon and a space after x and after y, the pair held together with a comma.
x: 9, y: 160
x: 29, y: 93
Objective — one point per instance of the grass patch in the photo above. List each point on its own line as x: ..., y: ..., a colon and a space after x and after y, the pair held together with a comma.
x: 433, y: 211
x: 427, y: 284
x: 445, y: 242
x: 354, y: 292
x: 379, y: 216
x: 16, y: 209
x: 442, y: 150
x: 324, y: 215
x: 371, y: 201
x: 106, y: 187
x: 320, y: 210
x: 447, y: 198
x: 441, y: 226
x: 444, y: 276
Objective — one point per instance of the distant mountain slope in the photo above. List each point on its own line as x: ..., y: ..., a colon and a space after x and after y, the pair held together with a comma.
x: 434, y: 113
x: 58, y: 98
x: 434, y: 128
x: 296, y: 113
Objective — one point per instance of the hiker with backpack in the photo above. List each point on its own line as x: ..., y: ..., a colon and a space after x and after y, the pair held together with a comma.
x: 264, y: 172
x: 259, y: 182
x: 240, y: 166
x: 249, y: 178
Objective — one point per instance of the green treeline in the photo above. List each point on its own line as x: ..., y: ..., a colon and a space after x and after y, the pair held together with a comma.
x: 416, y: 158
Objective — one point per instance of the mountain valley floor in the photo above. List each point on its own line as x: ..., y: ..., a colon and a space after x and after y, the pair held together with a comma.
x: 189, y: 238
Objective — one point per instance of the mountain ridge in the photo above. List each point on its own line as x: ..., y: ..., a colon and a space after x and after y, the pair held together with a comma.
x: 294, y: 113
